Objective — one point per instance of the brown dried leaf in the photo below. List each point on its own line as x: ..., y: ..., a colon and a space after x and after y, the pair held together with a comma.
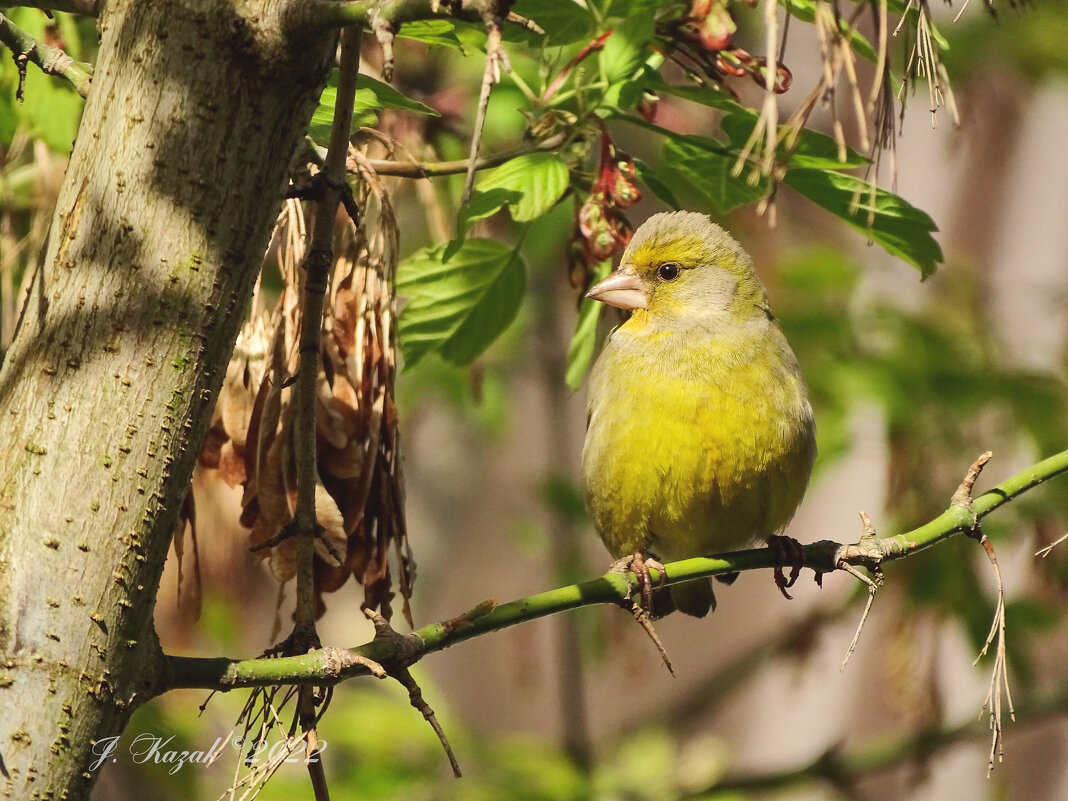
x: 231, y: 465
x: 283, y: 560
x: 250, y: 506
x: 262, y: 530
x: 326, y: 512
x: 255, y: 425
x: 345, y: 314
x: 346, y: 396
x: 271, y: 490
x: 344, y: 462
x: 235, y: 402
x: 331, y: 422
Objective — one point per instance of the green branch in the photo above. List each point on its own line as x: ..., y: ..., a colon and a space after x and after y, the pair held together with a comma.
x: 330, y: 665
x: 52, y: 60
x: 88, y: 8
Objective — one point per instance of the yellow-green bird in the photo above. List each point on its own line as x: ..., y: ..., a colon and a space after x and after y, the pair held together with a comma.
x: 700, y: 437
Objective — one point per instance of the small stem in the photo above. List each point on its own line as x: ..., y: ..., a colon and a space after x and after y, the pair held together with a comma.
x: 317, y: 273
x: 51, y: 60
x: 434, y: 169
x: 88, y: 8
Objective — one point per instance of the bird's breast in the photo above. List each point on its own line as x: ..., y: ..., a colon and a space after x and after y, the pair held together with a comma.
x: 694, y: 448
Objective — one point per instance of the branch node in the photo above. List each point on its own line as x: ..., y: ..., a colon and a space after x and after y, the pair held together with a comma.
x: 962, y: 498
x: 496, y: 60
x: 384, y: 30
x: 468, y: 618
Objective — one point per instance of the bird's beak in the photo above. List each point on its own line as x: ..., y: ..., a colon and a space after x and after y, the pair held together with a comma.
x: 623, y: 289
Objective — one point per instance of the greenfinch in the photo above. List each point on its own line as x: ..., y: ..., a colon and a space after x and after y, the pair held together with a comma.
x: 700, y: 436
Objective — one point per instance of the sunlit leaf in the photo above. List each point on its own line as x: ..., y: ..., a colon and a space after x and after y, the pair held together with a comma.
x: 805, y: 10
x: 371, y: 97
x: 707, y: 167
x: 483, y: 204
x: 563, y: 21
x: 626, y: 49
x: 540, y: 178
x: 459, y: 306
x: 440, y: 32
x: 882, y: 216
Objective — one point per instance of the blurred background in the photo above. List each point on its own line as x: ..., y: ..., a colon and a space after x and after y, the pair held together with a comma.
x: 910, y: 381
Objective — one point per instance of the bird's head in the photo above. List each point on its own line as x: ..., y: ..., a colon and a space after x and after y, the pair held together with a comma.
x: 682, y: 265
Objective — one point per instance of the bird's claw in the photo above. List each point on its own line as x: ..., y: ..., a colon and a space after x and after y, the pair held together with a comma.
x: 788, y: 551
x: 639, y: 565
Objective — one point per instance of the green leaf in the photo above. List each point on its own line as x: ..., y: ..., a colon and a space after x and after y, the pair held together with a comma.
x: 631, y: 8
x: 51, y: 111
x: 654, y: 181
x: 563, y: 21
x: 481, y: 205
x: 707, y: 166
x: 457, y: 307
x: 52, y: 108
x: 624, y: 51
x: 584, y: 341
x: 885, y: 218
x: 540, y: 178
x: 805, y: 10
x: 7, y: 118
x: 373, y: 94
x: 814, y: 150
x: 371, y: 97
x: 705, y: 95
x: 441, y: 32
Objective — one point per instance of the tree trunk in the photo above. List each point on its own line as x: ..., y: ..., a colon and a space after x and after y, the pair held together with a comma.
x: 196, y: 109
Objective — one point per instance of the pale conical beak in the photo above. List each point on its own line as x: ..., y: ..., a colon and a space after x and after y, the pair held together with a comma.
x: 623, y: 289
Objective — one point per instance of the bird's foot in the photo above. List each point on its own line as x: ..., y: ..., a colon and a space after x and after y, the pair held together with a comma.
x: 788, y: 551
x: 639, y: 565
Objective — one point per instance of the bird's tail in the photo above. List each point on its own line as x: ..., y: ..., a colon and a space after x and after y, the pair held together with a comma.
x: 696, y: 598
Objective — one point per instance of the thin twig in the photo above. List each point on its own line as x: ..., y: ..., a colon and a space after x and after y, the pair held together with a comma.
x: 496, y: 60
x: 999, y: 677
x: 642, y: 618
x: 1044, y: 552
x: 317, y: 270
x: 399, y: 671
x: 873, y: 586
x: 433, y: 169
x: 88, y: 8
x: 52, y: 60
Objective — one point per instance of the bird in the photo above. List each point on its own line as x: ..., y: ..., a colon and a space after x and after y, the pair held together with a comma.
x: 700, y: 436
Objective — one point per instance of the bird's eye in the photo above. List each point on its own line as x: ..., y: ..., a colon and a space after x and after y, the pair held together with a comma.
x: 668, y: 271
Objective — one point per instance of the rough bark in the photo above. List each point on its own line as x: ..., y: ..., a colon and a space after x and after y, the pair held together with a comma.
x: 195, y: 110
